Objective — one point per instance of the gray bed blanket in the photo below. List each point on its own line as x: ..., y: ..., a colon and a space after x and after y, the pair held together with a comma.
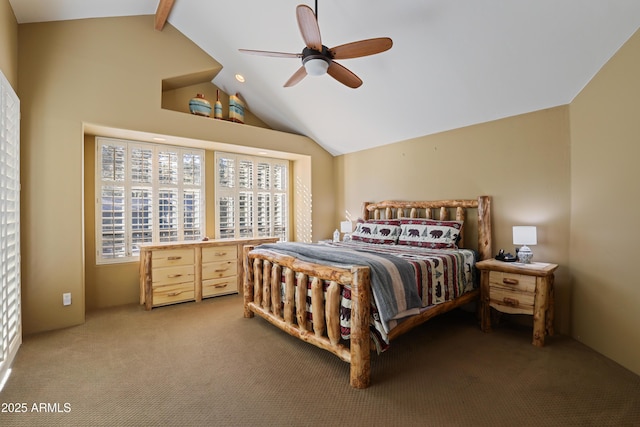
x: 393, y: 280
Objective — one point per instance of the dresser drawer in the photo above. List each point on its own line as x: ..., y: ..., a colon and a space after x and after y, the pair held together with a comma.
x: 220, y: 253
x: 171, y: 257
x: 170, y: 294
x: 215, y: 270
x: 511, y: 281
x: 225, y: 285
x: 172, y: 275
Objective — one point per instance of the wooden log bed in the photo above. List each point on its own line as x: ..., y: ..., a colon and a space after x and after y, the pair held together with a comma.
x: 264, y: 270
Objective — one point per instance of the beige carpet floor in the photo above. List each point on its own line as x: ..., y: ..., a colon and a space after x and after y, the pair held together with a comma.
x: 203, y: 364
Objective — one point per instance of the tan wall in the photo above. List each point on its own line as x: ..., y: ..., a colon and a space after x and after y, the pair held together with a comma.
x: 522, y: 162
x: 108, y: 73
x: 605, y: 138
x: 8, y: 44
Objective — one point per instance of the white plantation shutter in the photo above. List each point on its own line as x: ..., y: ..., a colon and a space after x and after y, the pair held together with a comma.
x: 10, y: 305
x: 147, y: 193
x: 168, y: 214
x: 113, y: 221
x: 141, y: 218
x: 252, y: 196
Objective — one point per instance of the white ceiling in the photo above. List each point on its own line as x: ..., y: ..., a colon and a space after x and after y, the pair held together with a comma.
x: 453, y: 63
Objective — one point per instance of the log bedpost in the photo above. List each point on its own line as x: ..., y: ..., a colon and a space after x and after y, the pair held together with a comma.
x: 360, y: 374
x: 266, y: 284
x: 290, y: 294
x: 257, y: 281
x: 484, y: 227
x: 146, y: 278
x: 247, y: 282
x: 460, y: 216
x: 276, y: 296
x: 301, y: 301
x: 365, y: 211
x: 317, y: 306
x: 332, y: 312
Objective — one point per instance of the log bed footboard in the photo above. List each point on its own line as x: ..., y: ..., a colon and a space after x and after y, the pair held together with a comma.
x: 263, y: 272
x: 262, y: 296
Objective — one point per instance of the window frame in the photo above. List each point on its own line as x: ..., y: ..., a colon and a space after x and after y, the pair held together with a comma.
x: 154, y: 185
x: 236, y: 190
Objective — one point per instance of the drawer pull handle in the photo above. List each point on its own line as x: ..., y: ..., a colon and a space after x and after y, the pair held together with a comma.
x: 174, y: 258
x: 507, y: 281
x: 174, y: 294
x: 173, y: 276
x: 220, y: 286
x: 220, y: 270
x: 220, y: 253
x: 512, y: 302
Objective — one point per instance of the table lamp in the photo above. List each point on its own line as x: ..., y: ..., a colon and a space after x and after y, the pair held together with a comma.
x: 346, y: 227
x: 524, y: 235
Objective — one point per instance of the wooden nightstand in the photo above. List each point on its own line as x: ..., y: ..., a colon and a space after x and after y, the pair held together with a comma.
x: 516, y: 288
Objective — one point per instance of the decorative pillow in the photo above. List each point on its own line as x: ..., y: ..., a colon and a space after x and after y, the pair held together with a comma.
x: 377, y: 231
x: 430, y: 233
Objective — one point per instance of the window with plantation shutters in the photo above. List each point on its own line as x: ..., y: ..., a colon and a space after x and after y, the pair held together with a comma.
x: 252, y: 196
x: 146, y: 193
x: 10, y: 304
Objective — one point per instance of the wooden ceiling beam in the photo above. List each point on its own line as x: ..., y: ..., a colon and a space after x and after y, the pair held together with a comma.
x: 162, y: 13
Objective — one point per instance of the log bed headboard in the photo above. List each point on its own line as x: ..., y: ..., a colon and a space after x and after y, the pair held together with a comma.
x: 441, y: 209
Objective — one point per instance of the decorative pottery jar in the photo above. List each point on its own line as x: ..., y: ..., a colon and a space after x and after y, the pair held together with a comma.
x: 217, y: 108
x: 236, y: 109
x: 200, y: 106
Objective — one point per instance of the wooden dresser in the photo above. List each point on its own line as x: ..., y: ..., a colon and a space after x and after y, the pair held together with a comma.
x: 189, y: 271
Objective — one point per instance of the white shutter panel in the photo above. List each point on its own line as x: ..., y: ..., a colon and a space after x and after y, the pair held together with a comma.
x: 112, y: 160
x: 113, y: 243
x: 141, y: 218
x: 168, y: 214
x: 191, y: 216
x: 10, y: 304
x: 141, y: 197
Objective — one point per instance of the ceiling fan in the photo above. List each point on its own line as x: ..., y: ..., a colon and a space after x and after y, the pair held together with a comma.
x: 317, y: 59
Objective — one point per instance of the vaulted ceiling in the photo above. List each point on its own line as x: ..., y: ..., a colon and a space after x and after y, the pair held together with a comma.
x: 452, y: 64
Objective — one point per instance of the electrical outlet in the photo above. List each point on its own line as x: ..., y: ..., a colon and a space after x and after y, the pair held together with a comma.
x: 66, y: 299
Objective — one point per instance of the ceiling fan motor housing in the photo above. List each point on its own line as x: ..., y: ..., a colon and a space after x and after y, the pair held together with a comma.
x: 316, y: 62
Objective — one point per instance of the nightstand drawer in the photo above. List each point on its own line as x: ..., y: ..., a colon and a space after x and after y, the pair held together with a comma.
x: 510, y: 301
x: 511, y: 281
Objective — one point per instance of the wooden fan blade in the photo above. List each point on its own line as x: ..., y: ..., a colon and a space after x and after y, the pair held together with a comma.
x: 267, y: 53
x: 309, y: 29
x: 361, y: 48
x: 296, y: 77
x: 343, y: 75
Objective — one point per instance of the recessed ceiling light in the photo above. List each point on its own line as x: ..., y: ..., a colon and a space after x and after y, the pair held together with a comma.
x: 240, y: 78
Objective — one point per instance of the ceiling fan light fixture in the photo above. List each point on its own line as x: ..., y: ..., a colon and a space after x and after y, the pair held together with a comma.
x: 316, y: 66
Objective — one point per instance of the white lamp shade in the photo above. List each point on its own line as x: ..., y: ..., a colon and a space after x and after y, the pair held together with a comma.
x: 346, y: 226
x: 524, y: 235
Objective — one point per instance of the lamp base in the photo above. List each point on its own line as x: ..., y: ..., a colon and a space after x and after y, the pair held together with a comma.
x: 525, y: 255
